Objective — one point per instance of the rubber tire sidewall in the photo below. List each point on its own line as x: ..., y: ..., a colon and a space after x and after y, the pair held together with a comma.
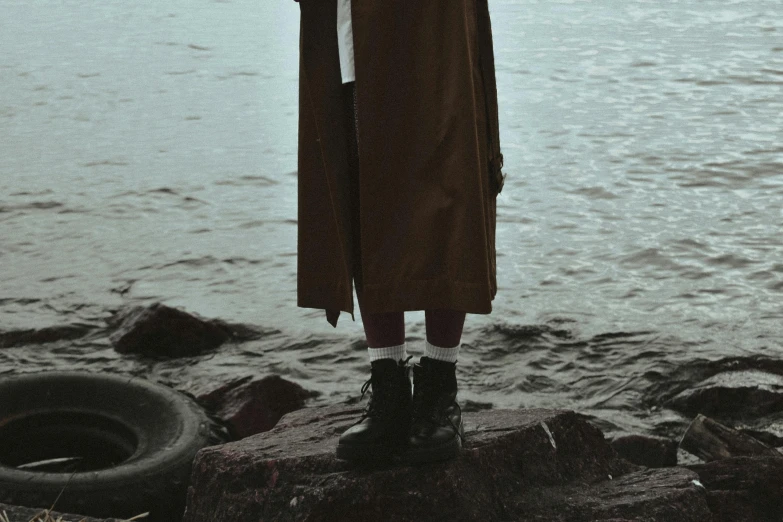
x: 170, y: 428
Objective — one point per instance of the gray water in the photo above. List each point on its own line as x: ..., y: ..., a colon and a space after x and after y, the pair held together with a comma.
x: 148, y: 153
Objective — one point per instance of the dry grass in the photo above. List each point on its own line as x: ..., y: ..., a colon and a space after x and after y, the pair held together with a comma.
x: 48, y: 517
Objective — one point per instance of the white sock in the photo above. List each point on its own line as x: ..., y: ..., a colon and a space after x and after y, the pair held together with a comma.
x: 389, y: 352
x: 441, y: 354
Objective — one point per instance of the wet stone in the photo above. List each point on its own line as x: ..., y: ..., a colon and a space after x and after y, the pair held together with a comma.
x: 533, y: 464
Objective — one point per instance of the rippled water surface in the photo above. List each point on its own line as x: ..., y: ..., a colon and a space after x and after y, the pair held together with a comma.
x: 148, y: 153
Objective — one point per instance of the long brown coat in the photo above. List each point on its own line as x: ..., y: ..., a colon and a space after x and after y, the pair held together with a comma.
x: 415, y: 226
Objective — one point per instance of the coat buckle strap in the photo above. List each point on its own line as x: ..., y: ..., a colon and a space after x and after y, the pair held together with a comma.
x: 495, y: 166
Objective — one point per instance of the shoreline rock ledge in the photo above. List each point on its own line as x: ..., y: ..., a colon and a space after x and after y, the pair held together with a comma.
x: 529, y: 464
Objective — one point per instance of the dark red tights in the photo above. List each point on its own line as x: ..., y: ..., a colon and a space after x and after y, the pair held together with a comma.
x: 444, y: 327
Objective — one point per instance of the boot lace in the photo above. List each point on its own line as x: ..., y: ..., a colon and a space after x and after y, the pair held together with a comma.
x: 425, y: 406
x: 376, y: 406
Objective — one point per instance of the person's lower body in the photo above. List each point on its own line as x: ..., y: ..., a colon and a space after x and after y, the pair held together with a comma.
x: 387, y: 329
x: 420, y: 426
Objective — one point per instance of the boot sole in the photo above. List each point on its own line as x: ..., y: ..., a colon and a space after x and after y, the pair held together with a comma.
x: 446, y: 451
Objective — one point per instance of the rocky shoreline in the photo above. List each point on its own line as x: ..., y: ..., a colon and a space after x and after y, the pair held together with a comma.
x: 517, y: 465
x: 546, y: 465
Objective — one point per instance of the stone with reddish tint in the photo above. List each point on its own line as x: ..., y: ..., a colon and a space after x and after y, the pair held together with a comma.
x: 534, y: 464
x: 250, y: 405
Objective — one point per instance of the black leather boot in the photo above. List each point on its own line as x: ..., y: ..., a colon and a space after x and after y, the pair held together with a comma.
x: 381, y: 431
x: 436, y: 431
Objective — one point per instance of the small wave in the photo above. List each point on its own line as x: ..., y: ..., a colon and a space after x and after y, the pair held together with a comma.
x: 47, y: 334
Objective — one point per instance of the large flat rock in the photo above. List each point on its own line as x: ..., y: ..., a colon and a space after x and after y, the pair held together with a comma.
x: 650, y: 494
x: 532, y: 464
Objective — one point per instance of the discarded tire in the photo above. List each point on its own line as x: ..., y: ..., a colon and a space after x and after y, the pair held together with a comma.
x: 123, y: 445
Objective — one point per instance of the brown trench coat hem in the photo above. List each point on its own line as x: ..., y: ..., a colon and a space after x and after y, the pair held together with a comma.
x: 430, y: 294
x: 415, y: 295
x: 456, y: 133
